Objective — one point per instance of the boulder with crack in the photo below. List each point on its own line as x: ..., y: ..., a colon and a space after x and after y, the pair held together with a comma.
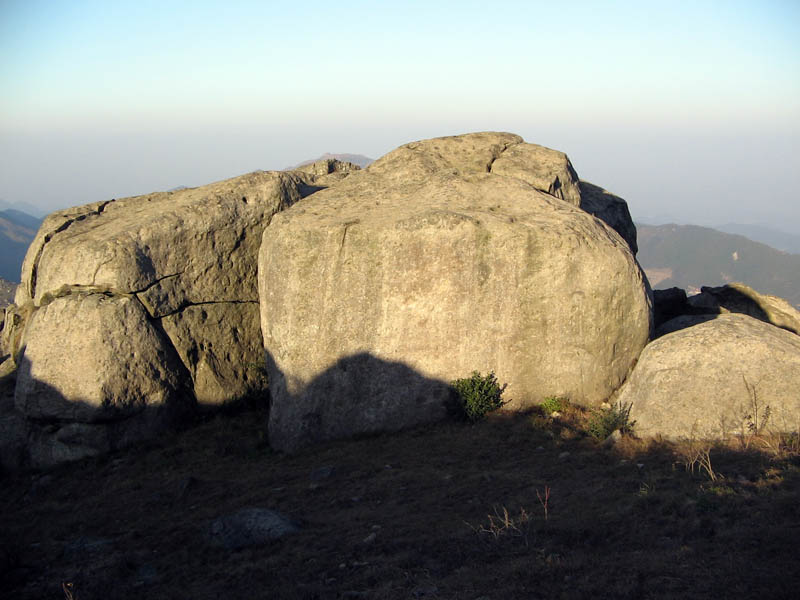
x: 132, y: 310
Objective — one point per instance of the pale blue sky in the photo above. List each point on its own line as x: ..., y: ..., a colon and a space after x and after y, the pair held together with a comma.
x: 690, y: 110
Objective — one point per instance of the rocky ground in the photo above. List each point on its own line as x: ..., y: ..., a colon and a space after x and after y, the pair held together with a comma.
x: 518, y: 506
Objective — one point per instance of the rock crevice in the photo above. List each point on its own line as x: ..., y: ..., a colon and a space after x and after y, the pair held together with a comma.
x: 130, y: 321
x: 43, y: 239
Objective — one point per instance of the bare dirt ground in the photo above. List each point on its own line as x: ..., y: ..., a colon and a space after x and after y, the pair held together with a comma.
x: 517, y: 506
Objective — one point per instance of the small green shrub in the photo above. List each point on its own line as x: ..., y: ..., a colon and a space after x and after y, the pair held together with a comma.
x: 605, y: 422
x: 478, y: 395
x: 553, y: 404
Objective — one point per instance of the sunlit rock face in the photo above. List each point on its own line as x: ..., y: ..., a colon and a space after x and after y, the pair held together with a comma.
x: 726, y: 376
x: 443, y: 257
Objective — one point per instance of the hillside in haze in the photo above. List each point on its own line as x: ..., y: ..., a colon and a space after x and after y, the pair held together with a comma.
x: 22, y: 208
x: 689, y: 257
x: 17, y: 230
x: 780, y: 240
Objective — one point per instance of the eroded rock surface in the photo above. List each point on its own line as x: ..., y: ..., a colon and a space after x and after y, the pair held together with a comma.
x: 716, y: 379
x: 221, y: 346
x: 430, y: 264
x: 132, y: 310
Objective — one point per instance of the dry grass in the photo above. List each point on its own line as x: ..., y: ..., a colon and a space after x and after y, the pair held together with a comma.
x: 518, y: 506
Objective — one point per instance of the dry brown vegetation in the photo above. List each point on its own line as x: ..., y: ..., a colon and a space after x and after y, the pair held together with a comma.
x: 517, y: 506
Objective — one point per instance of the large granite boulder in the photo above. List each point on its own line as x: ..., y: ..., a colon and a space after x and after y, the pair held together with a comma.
x: 188, y: 258
x: 718, y: 378
x: 131, y: 311
x: 431, y: 264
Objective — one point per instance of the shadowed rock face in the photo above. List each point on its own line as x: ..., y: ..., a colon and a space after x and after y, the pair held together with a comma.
x: 170, y: 253
x: 610, y: 209
x: 103, y: 369
x: 740, y: 298
x: 444, y: 256
x: 705, y: 381
x: 674, y: 311
x: 144, y: 306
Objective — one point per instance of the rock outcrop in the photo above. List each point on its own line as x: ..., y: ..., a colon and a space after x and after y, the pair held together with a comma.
x: 740, y: 298
x: 131, y: 311
x: 674, y: 311
x: 610, y: 209
x: 668, y: 304
x: 443, y: 257
x: 730, y: 375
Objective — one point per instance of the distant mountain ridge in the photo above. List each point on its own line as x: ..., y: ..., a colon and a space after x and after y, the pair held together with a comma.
x: 22, y: 207
x: 22, y: 219
x: 780, y: 240
x: 17, y: 230
x: 688, y: 256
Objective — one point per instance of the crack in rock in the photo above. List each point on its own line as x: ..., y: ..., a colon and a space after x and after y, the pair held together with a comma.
x: 49, y: 236
x: 506, y: 146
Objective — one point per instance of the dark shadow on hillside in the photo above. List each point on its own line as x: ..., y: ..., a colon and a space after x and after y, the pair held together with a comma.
x: 360, y: 394
x: 407, y: 515
x: 65, y: 429
x: 307, y: 190
x: 683, y: 322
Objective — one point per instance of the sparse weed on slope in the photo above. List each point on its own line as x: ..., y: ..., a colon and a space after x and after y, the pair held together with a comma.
x: 606, y: 422
x: 479, y: 395
x: 553, y: 404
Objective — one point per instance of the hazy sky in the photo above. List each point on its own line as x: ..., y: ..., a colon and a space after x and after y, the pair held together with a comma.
x: 689, y: 110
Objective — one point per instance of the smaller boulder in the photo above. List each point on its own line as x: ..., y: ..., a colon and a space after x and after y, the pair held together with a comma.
x: 740, y: 298
x: 730, y: 375
x: 668, y: 304
x: 610, y: 209
x: 94, y: 358
x: 545, y: 169
x: 250, y: 527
